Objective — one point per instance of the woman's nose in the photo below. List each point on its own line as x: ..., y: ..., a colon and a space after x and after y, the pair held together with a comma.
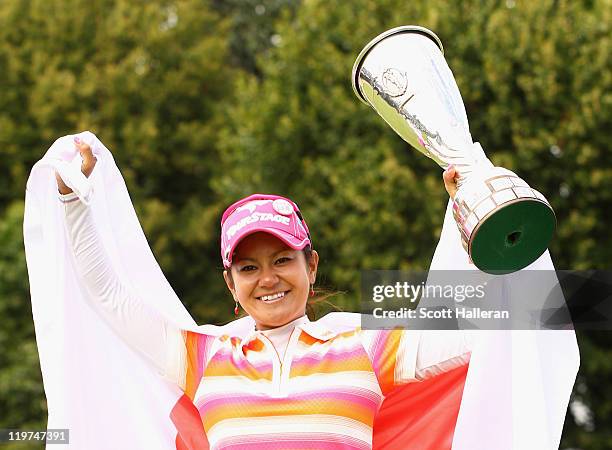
x: 268, y: 278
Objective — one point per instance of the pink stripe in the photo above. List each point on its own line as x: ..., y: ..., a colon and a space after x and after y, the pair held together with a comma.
x: 204, y: 343
x: 380, y: 345
x: 241, y: 400
x: 339, y: 361
x: 357, y: 348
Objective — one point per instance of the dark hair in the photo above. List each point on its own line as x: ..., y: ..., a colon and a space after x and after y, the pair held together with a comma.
x: 321, y: 295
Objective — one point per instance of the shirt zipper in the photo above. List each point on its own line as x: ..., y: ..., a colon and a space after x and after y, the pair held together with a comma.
x: 277, y: 374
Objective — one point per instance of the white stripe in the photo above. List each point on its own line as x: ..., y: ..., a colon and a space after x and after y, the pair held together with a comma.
x: 406, y: 360
x: 231, y: 385
x: 309, y: 440
x: 440, y: 351
x: 285, y: 425
x: 314, y: 382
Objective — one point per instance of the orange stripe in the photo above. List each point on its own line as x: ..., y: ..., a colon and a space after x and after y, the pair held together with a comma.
x: 358, y: 362
x: 223, y: 367
x: 307, y: 339
x: 330, y: 407
x: 193, y: 367
x: 228, y: 371
x: 387, y: 360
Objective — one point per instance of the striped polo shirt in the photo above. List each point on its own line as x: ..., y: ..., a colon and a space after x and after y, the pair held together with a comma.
x: 323, y: 392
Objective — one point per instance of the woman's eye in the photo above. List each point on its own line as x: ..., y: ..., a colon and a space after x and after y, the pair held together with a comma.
x: 247, y: 268
x: 283, y: 259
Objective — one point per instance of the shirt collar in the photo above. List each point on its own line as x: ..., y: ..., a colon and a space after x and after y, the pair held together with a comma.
x: 318, y: 330
x: 314, y: 329
x: 287, y: 327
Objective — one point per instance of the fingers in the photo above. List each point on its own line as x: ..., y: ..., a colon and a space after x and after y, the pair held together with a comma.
x: 449, y: 174
x: 449, y: 181
x: 89, y: 160
x: 83, y: 148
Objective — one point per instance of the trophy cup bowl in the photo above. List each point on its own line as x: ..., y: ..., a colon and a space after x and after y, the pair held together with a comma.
x: 504, y: 224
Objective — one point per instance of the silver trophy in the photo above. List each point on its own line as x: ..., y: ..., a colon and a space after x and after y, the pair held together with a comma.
x: 505, y: 224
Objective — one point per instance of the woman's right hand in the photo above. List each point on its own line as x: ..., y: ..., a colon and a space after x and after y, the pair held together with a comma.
x: 450, y: 181
x: 89, y: 162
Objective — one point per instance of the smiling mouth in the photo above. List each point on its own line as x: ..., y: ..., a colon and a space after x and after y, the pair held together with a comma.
x: 273, y: 297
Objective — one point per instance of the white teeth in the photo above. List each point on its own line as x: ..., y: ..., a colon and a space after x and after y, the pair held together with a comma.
x: 266, y: 298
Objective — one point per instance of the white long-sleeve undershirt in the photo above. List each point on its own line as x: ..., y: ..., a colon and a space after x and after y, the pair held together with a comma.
x: 139, y: 325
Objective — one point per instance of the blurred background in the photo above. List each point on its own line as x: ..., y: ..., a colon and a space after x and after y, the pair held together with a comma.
x: 202, y: 102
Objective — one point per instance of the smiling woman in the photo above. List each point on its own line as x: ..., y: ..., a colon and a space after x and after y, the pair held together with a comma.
x: 271, y: 380
x: 270, y: 267
x: 307, y: 379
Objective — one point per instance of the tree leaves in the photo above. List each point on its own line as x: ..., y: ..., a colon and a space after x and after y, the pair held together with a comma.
x: 205, y: 102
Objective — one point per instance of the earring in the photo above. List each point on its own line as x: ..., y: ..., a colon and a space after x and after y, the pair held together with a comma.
x: 312, y: 292
x: 236, y: 308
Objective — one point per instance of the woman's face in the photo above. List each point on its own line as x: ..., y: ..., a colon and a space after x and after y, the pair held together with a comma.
x: 270, y: 280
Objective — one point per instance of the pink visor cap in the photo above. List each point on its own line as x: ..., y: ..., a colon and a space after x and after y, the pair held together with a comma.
x: 272, y: 214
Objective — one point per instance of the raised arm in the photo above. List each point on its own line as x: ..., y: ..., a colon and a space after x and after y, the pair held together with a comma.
x: 139, y: 325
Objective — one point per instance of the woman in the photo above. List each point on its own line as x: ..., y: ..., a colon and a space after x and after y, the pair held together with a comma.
x: 271, y: 379
x: 291, y: 380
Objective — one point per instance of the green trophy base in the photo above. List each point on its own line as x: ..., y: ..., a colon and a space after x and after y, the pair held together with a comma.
x: 512, y: 237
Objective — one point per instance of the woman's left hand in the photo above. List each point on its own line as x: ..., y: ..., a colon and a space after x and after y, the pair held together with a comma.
x: 87, y: 166
x: 450, y: 183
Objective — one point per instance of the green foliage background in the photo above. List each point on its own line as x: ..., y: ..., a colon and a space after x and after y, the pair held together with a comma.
x: 202, y: 102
